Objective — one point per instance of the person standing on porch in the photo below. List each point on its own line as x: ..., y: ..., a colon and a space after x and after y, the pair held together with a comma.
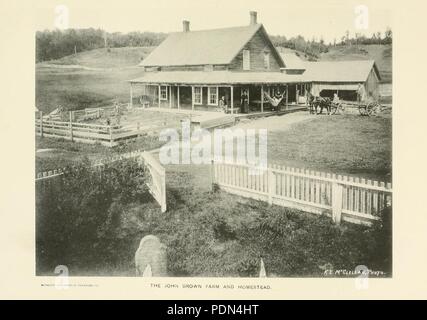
x: 223, y: 104
x: 244, y: 101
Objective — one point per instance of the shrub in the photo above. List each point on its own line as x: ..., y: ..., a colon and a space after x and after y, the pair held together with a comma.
x: 78, y: 214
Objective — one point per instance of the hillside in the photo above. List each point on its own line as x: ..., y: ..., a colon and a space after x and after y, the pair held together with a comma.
x: 131, y: 56
x: 103, y: 58
x: 382, y: 54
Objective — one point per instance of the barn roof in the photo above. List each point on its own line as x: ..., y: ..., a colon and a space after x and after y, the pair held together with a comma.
x: 216, y: 46
x: 292, y: 61
x: 340, y: 71
x: 216, y: 78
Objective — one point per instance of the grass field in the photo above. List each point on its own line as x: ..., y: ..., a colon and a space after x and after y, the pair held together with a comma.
x: 102, y: 58
x: 79, y: 89
x: 350, y: 144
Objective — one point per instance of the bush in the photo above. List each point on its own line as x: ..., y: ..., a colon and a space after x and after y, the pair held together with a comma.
x: 78, y: 214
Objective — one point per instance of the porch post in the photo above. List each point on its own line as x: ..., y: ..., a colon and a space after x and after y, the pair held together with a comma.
x: 192, y: 97
x: 159, y: 95
x: 306, y: 94
x: 178, y: 97
x: 262, y: 98
x: 170, y: 97
x: 287, y: 96
x: 296, y: 95
x: 231, y: 99
x: 131, y: 94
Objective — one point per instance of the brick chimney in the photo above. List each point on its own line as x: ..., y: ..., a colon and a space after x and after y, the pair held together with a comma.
x: 185, y: 26
x: 253, y: 16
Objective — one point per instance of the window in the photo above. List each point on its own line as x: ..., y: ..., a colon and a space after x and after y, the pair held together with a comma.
x: 267, y: 60
x: 213, y: 96
x: 198, y: 95
x: 163, y: 92
x: 246, y: 60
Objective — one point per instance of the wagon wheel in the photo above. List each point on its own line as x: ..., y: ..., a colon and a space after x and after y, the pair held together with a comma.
x: 334, y: 108
x: 362, y: 109
x: 370, y: 108
x: 377, y: 108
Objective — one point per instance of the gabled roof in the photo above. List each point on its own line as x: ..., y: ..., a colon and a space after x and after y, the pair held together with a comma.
x: 340, y: 71
x: 205, y: 47
x: 292, y: 61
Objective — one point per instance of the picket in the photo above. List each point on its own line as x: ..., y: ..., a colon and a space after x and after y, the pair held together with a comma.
x: 359, y: 200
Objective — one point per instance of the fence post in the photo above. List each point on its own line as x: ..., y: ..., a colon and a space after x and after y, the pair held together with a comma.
x: 41, y: 124
x: 337, y: 190
x: 163, y: 204
x: 271, y: 185
x: 111, y: 135
x: 212, y: 175
x: 71, y: 125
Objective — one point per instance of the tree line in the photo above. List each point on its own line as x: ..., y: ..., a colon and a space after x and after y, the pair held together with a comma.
x: 314, y: 47
x: 55, y: 44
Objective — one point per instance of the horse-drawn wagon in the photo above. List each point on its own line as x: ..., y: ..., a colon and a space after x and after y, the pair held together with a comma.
x: 317, y: 104
x: 365, y: 108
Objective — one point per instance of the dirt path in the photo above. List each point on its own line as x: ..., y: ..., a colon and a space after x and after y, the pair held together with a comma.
x: 276, y: 123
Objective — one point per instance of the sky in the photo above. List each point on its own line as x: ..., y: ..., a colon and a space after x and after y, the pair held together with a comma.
x: 323, y: 18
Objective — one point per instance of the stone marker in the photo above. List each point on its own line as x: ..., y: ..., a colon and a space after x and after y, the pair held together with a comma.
x: 150, y: 258
x: 262, y: 273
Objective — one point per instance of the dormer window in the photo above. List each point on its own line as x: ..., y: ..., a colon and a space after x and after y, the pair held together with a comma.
x: 246, y: 60
x: 267, y: 60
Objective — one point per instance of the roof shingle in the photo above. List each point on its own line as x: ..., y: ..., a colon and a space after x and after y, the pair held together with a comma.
x: 339, y: 71
x: 217, y: 46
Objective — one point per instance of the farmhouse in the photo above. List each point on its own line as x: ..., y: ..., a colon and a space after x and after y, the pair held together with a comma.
x: 230, y: 68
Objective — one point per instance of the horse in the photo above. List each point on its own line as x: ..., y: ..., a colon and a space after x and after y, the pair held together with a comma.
x: 316, y: 104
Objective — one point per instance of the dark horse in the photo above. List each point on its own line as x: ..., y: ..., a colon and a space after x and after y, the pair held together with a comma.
x: 317, y: 104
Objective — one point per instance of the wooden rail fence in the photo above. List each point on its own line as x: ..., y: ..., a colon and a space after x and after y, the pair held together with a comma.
x: 343, y: 198
x: 108, y: 135
x: 156, y: 182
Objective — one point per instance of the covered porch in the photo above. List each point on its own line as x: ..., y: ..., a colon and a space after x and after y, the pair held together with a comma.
x: 241, y: 93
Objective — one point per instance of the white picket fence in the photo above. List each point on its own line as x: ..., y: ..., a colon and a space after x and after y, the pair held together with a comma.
x: 157, y: 183
x: 157, y: 179
x: 343, y: 198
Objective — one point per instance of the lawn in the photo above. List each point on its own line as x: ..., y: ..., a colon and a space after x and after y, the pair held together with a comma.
x: 78, y: 89
x: 349, y: 144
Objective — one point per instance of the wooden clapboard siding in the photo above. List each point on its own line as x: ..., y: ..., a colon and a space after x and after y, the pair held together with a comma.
x: 360, y: 200
x: 257, y: 46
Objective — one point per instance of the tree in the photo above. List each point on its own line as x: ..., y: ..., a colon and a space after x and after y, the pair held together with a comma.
x: 388, y: 36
